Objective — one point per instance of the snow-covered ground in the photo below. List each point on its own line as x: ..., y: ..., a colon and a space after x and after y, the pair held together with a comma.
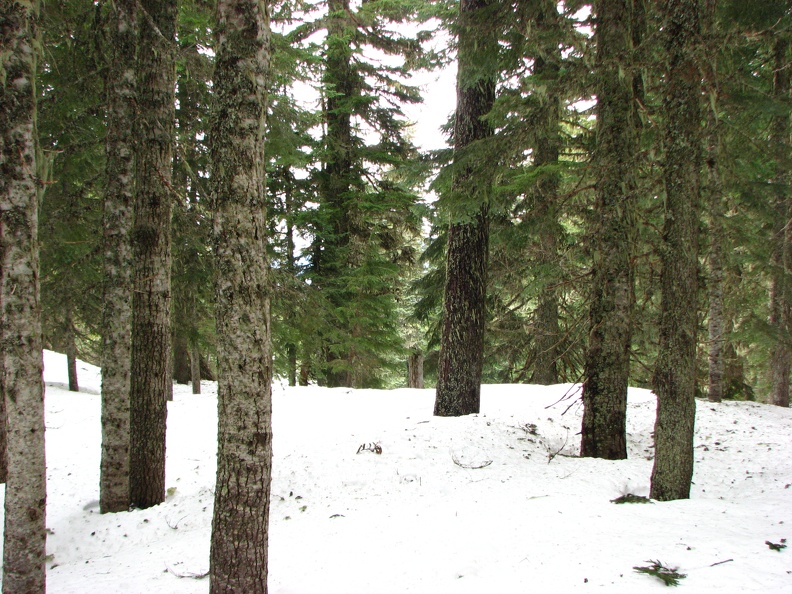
x: 484, y: 503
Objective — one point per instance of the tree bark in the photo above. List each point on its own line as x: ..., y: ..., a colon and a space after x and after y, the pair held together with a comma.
x: 195, y: 366
x: 674, y: 379
x: 244, y: 459
x: 152, y: 385
x: 182, y: 367
x: 607, y: 368
x: 71, y: 350
x: 546, y: 69
x: 713, y: 189
x: 415, y: 371
x: 118, y: 264
x: 464, y: 301
x: 25, y: 537
x: 781, y: 355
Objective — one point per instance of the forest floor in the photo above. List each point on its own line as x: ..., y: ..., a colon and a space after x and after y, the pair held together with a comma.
x: 495, y: 502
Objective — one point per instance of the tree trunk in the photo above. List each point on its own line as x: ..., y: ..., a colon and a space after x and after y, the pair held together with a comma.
x: 674, y: 379
x: 118, y: 264
x: 607, y: 368
x: 182, y: 367
x: 464, y: 301
x: 71, y: 351
x: 546, y: 68
x: 244, y: 459
x: 713, y: 189
x: 152, y: 385
x: 25, y: 537
x: 195, y: 366
x: 415, y: 371
x: 781, y: 355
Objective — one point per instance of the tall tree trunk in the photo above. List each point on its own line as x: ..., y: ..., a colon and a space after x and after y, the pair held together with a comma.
x: 464, y: 301
x: 546, y: 68
x: 607, y: 368
x: 674, y: 379
x: 713, y: 189
x: 781, y: 355
x: 415, y: 370
x: 152, y: 385
x: 338, y: 180
x: 195, y: 366
x: 25, y: 537
x: 244, y: 459
x: 118, y: 264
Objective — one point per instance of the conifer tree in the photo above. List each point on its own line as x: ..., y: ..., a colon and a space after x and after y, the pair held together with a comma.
x: 24, y: 536
x: 604, y: 433
x: 781, y: 240
x: 674, y: 379
x: 464, y: 300
x: 364, y: 211
x: 152, y: 386
x: 118, y: 218
x: 244, y: 459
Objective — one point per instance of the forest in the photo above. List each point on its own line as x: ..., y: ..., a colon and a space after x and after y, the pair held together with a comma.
x: 231, y: 190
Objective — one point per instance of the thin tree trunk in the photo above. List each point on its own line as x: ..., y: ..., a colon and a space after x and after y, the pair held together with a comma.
x: 546, y: 68
x: 674, y: 379
x: 713, y: 188
x: 25, y: 537
x: 464, y: 301
x: 152, y: 385
x: 117, y: 222
x: 195, y: 366
x: 71, y: 352
x: 781, y: 355
x: 607, y: 369
x: 240, y: 525
x: 415, y: 371
x: 182, y: 367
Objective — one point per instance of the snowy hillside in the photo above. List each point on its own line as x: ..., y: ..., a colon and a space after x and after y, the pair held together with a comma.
x: 480, y: 504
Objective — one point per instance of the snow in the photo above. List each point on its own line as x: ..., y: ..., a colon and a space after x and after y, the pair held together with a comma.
x: 483, y: 503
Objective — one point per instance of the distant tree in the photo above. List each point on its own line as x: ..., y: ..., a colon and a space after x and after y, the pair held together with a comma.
x: 244, y: 459
x: 464, y: 301
x: 713, y: 192
x: 118, y: 219
x: 674, y: 379
x: 781, y: 240
x: 152, y: 385
x: 607, y: 370
x: 25, y: 537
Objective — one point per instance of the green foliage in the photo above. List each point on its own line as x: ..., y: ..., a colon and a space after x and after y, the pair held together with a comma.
x: 669, y: 576
x: 630, y: 498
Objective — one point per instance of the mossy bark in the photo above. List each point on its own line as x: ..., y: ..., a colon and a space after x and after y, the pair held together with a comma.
x: 24, y: 537
x: 547, y: 333
x: 781, y: 242
x: 151, y: 379
x: 238, y: 560
x: 607, y: 368
x: 464, y: 300
x: 674, y: 379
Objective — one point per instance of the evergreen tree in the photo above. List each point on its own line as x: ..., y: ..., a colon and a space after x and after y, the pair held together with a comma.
x: 781, y: 241
x: 464, y: 300
x: 151, y: 239
x: 118, y: 219
x: 604, y: 433
x: 24, y: 536
x: 364, y: 211
x: 675, y: 372
x: 244, y: 460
